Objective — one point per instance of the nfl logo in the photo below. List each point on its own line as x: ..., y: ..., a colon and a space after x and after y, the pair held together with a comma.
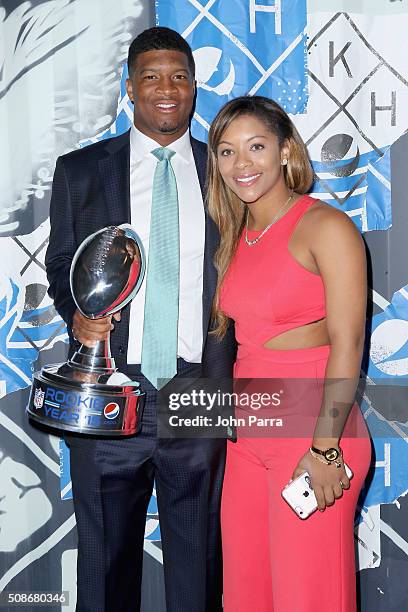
x: 39, y: 398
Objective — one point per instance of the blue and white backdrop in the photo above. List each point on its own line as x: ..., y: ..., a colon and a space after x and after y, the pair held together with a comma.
x: 341, y: 72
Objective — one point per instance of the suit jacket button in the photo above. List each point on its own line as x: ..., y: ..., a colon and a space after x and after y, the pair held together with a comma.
x: 121, y: 350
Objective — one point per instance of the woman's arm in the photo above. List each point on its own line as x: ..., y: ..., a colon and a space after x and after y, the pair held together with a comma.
x: 340, y: 257
x: 339, y: 253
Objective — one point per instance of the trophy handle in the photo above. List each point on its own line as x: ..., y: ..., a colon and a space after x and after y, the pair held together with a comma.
x: 97, y: 358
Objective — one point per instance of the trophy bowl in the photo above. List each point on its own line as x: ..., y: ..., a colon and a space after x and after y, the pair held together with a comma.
x: 87, y: 394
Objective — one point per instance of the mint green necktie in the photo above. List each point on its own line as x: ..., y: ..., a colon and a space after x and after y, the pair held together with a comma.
x: 160, y: 327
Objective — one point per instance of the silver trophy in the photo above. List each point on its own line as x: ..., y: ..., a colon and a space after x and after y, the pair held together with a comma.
x: 87, y: 394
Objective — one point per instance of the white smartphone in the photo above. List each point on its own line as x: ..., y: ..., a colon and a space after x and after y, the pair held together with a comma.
x: 300, y: 496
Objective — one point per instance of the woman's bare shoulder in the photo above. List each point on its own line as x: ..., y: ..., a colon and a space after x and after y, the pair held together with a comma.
x: 322, y: 217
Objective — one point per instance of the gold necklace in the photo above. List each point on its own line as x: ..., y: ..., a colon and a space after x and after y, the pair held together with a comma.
x: 276, y: 217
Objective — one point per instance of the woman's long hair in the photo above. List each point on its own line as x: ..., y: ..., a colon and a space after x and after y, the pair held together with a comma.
x: 225, y: 208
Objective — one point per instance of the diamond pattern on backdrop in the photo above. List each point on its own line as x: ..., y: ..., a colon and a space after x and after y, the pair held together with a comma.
x: 355, y: 113
x: 29, y: 322
x: 242, y: 47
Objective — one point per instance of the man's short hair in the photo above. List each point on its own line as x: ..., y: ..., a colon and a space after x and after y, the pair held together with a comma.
x: 157, y: 39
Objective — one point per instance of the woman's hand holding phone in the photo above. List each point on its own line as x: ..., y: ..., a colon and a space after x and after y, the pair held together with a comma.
x: 328, y: 481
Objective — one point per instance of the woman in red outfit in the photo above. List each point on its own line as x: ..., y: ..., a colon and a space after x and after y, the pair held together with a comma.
x: 292, y: 277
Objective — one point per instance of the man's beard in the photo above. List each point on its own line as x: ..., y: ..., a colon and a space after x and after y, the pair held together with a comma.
x: 168, y: 128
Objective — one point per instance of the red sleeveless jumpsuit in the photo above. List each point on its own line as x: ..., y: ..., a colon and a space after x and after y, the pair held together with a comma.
x: 274, y: 561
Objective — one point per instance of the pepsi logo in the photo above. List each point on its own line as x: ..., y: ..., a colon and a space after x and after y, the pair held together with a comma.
x: 111, y: 410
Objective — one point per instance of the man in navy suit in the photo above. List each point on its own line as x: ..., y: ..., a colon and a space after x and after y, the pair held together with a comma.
x: 110, y: 182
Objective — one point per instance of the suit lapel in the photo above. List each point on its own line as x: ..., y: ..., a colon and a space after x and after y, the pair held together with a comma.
x: 114, y: 171
x: 211, y: 240
x: 200, y: 158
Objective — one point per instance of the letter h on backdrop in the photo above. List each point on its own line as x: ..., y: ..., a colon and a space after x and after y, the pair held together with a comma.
x: 263, y: 8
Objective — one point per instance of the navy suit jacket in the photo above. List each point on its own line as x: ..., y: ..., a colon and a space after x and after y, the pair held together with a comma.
x: 91, y: 190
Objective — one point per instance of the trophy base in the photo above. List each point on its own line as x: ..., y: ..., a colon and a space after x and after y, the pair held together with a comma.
x: 82, y: 405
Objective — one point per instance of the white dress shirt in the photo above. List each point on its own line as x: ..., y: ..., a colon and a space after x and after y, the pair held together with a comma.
x: 191, y: 231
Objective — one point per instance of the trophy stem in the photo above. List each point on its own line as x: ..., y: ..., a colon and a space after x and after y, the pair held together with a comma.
x: 97, y: 358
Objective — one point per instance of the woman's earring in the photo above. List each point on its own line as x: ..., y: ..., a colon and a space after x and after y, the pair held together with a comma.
x: 284, y: 161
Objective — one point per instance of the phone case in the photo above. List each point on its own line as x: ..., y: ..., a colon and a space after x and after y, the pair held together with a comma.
x: 300, y: 496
